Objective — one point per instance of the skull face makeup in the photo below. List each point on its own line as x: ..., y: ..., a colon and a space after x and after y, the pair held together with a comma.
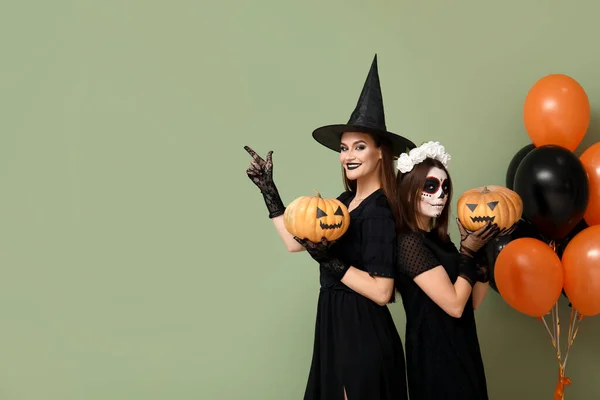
x: 435, y: 193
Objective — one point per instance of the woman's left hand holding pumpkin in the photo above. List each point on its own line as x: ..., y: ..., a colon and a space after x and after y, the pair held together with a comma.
x: 320, y: 253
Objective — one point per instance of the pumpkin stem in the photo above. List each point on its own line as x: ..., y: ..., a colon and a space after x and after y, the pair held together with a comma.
x: 317, y: 192
x: 485, y: 190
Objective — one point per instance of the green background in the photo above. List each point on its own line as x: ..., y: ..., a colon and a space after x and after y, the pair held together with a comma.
x: 137, y: 258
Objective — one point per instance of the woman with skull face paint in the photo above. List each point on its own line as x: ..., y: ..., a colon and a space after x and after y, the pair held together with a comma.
x: 357, y: 353
x: 440, y: 285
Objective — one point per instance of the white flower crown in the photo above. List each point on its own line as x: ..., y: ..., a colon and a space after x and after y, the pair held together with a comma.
x: 434, y: 150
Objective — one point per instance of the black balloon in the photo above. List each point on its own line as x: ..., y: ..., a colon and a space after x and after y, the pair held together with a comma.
x: 554, y: 187
x: 514, y: 164
x: 562, y: 244
x: 492, y: 249
x: 525, y: 229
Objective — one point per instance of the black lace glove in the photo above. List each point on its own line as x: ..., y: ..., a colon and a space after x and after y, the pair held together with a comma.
x: 467, y: 269
x: 481, y: 261
x: 508, y: 231
x: 471, y: 243
x: 481, y: 268
x: 320, y: 253
x: 261, y: 173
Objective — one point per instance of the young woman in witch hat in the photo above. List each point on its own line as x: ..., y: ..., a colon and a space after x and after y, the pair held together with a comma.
x: 357, y: 352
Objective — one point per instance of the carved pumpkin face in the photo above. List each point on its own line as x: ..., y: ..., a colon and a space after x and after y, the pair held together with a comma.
x: 314, y: 218
x: 497, y: 204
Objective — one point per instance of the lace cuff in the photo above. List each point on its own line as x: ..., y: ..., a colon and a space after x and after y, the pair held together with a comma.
x: 273, y: 201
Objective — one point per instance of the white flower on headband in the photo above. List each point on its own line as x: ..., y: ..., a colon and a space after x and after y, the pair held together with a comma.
x: 434, y: 150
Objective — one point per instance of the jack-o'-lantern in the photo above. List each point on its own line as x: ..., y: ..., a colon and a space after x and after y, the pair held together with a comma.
x: 314, y: 218
x: 497, y: 204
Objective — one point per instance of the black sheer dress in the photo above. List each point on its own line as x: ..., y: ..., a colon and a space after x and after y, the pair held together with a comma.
x: 357, y: 346
x: 443, y: 358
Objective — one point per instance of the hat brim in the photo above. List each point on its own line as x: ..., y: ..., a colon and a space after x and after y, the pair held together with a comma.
x: 330, y: 136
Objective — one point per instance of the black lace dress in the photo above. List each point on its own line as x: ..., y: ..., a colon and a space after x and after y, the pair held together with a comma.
x: 357, y: 346
x: 443, y: 358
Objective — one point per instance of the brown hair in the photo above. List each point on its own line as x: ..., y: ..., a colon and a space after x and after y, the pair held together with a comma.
x: 410, y: 186
x: 387, y: 177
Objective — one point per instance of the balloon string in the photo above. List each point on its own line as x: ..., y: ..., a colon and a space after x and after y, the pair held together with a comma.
x: 548, y: 330
x: 559, y: 391
x: 553, y: 323
x: 557, y: 331
x: 573, y: 329
x: 569, y: 336
x: 574, y: 320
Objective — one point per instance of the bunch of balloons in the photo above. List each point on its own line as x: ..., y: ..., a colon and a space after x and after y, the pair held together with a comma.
x: 556, y: 246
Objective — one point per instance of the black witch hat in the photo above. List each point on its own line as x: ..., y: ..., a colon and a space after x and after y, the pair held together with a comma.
x: 367, y: 117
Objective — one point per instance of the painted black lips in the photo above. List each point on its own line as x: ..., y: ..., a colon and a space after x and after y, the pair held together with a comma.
x: 332, y: 226
x: 482, y: 219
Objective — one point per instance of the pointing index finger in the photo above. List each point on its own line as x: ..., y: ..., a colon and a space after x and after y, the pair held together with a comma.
x: 255, y: 156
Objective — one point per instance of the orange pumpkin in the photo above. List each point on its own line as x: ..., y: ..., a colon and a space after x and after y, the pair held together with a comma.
x: 314, y: 218
x: 489, y: 203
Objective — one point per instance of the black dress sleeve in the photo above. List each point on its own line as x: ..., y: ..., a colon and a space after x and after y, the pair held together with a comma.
x: 414, y: 257
x: 379, y: 246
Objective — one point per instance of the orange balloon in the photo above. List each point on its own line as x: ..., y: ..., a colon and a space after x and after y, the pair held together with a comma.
x: 529, y: 276
x: 591, y: 162
x: 557, y: 111
x: 581, y: 260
